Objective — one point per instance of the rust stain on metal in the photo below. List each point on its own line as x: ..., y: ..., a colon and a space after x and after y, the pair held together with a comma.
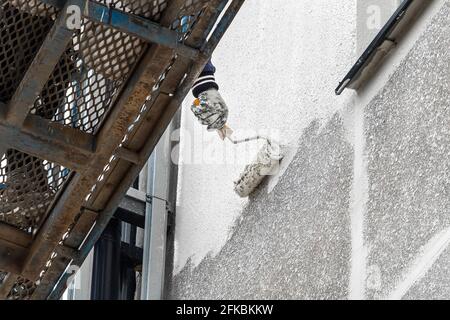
x: 78, y: 119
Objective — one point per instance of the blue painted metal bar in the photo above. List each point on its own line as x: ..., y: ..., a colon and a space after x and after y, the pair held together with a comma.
x: 138, y: 27
x: 133, y: 25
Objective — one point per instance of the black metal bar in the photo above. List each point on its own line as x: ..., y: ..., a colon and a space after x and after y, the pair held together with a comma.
x: 106, y: 270
x: 382, y: 36
x: 131, y: 257
x: 130, y: 217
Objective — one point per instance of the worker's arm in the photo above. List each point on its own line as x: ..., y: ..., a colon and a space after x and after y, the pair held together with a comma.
x: 209, y: 107
x: 206, y: 80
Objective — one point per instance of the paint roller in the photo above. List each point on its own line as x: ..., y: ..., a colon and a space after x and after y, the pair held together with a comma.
x: 265, y: 164
x: 206, y: 108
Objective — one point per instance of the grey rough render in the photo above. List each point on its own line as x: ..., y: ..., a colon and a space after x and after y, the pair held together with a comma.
x: 435, y: 284
x: 293, y: 243
x: 408, y: 148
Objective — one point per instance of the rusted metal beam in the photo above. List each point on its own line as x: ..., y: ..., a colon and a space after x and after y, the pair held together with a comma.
x: 46, y: 283
x: 128, y: 105
x: 11, y: 256
x: 80, y: 230
x: 133, y: 25
x: 57, y: 223
x: 164, y: 121
x: 14, y: 235
x: 14, y: 244
x: 110, y: 136
x: 41, y: 68
x: 154, y: 136
x: 60, y: 135
x: 6, y: 286
x: 75, y: 150
x: 112, y: 132
x: 128, y: 155
x: 117, y: 180
x: 139, y: 27
x: 66, y: 252
x: 50, y: 141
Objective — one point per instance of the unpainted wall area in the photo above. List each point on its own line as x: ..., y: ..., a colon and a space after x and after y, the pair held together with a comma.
x: 293, y: 243
x: 408, y: 157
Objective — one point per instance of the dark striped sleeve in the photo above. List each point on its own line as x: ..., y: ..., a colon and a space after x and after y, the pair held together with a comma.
x: 206, y: 80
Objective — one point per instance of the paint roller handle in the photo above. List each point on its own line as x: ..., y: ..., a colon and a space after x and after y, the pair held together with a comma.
x: 273, y: 148
x: 224, y: 133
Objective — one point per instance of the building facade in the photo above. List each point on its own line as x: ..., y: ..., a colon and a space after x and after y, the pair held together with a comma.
x: 360, y: 207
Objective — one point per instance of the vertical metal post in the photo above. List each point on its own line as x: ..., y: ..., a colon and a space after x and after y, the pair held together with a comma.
x: 148, y: 218
x: 155, y: 239
x: 106, y: 273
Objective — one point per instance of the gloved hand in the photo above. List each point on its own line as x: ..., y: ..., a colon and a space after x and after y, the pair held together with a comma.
x: 210, y: 110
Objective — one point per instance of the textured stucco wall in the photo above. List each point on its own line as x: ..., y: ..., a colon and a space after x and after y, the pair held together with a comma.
x: 362, y: 209
x: 277, y: 67
x: 293, y: 243
x: 408, y: 148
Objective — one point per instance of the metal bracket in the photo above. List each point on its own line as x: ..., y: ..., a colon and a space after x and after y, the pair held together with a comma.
x: 169, y: 207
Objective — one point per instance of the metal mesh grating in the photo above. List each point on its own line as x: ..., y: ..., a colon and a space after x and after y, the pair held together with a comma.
x: 96, y: 64
x: 27, y: 187
x: 22, y: 289
x: 151, y: 9
x: 79, y: 93
x: 184, y: 25
x: 88, y: 77
x: 188, y: 16
x: 24, y: 25
x: 193, y: 7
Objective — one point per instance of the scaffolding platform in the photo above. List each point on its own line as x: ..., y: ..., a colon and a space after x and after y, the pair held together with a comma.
x: 87, y: 88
